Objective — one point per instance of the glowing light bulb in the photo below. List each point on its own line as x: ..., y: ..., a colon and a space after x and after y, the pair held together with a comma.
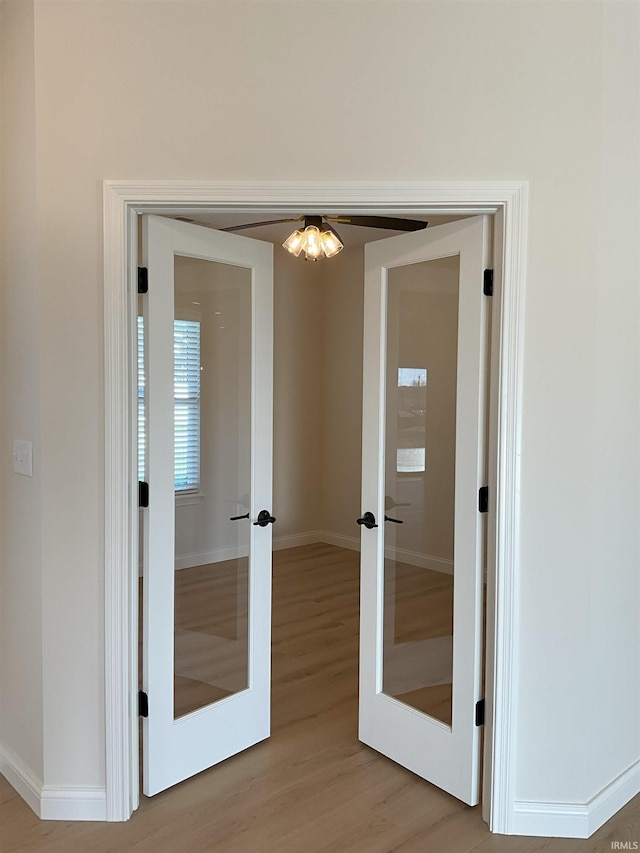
x: 293, y: 243
x: 312, y: 243
x: 331, y: 243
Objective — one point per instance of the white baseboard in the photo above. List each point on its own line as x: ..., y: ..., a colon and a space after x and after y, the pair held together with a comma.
x: 339, y: 540
x: 423, y: 561
x: 295, y: 540
x: 614, y: 796
x: 412, y: 558
x: 52, y: 803
x: 311, y: 537
x: 550, y: 820
x: 20, y: 777
x: 215, y: 555
x: 575, y: 820
x: 218, y: 555
x: 73, y: 804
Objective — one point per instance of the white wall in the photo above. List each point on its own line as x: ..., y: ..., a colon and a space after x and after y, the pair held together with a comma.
x: 615, y: 475
x: 21, y: 705
x: 427, y: 90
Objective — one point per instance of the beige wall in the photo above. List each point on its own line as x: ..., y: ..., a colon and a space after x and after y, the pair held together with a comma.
x: 341, y: 417
x: 427, y: 90
x: 298, y: 395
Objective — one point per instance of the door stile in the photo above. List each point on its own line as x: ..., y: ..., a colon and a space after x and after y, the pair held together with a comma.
x: 371, y: 548
x: 261, y: 478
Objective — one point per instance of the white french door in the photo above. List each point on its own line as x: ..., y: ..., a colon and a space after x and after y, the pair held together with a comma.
x: 206, y: 405
x: 423, y: 464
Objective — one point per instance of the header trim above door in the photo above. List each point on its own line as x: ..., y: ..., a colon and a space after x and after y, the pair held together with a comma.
x: 122, y: 201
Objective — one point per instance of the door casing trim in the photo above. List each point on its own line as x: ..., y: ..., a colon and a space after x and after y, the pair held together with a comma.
x: 122, y: 201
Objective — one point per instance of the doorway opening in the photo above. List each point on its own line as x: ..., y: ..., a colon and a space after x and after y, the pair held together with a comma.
x: 318, y: 406
x: 125, y: 203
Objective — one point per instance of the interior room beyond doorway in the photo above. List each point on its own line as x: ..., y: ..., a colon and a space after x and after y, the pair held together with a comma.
x: 318, y: 328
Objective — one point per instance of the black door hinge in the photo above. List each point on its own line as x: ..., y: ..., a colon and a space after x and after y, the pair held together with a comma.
x: 143, y: 493
x: 143, y: 280
x: 483, y: 499
x: 480, y: 713
x: 143, y: 704
x: 487, y: 286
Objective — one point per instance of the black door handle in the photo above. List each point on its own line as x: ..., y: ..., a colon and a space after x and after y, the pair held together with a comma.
x: 369, y: 520
x: 238, y: 517
x: 264, y: 518
x: 395, y: 520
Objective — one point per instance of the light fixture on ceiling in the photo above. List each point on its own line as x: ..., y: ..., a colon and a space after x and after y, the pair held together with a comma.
x: 317, y: 240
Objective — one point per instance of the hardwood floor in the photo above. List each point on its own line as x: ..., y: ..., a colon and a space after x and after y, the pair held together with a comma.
x: 211, y: 633
x: 312, y: 786
x: 418, y: 638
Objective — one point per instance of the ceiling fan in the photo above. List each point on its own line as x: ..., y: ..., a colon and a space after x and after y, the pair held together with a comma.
x: 319, y: 239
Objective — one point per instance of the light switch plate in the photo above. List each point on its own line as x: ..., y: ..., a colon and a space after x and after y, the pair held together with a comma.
x: 23, y: 458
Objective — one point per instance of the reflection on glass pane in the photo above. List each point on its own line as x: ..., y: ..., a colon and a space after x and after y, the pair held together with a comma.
x: 186, y: 379
x: 411, y: 425
x: 210, y: 633
x: 422, y: 343
x: 142, y: 428
x: 186, y: 396
x: 212, y: 414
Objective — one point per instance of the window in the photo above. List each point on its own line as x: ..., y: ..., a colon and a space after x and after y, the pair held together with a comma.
x: 186, y: 396
x: 412, y: 410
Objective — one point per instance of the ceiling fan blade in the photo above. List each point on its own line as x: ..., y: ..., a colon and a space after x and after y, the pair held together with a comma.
x: 388, y: 222
x: 260, y: 224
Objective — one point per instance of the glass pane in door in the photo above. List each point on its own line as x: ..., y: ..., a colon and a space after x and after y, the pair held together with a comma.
x: 421, y: 380
x: 212, y: 459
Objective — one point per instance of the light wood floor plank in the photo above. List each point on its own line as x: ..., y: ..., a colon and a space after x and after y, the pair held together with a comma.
x: 312, y: 787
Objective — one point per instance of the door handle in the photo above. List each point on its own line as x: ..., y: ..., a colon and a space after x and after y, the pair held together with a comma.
x: 369, y: 520
x: 395, y: 520
x: 238, y: 517
x: 264, y: 518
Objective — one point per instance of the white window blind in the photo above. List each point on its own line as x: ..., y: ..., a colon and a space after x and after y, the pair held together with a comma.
x: 142, y: 427
x: 186, y: 394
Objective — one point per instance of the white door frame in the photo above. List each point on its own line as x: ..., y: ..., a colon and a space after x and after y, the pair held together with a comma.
x: 123, y: 200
